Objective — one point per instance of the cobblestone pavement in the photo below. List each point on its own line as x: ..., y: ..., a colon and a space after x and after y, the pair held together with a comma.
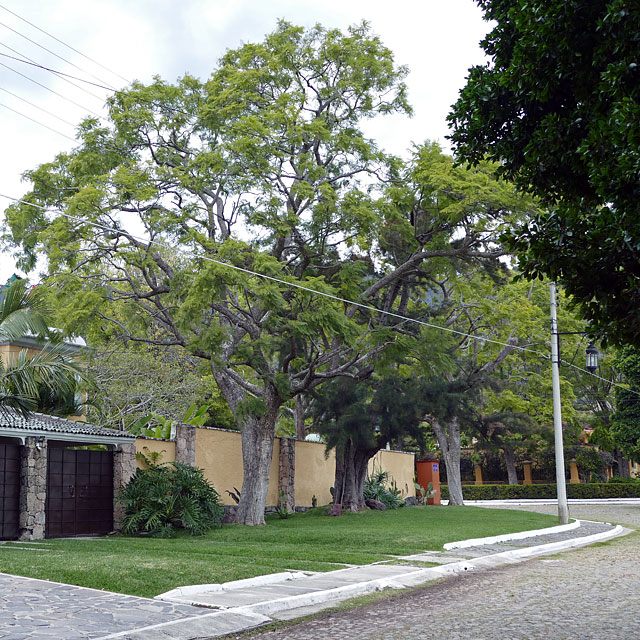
x: 591, y: 593
x: 32, y: 609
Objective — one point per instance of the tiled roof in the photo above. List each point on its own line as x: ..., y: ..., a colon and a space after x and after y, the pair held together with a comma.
x: 10, y: 419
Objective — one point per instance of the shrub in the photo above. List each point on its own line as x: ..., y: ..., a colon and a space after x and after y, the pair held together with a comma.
x: 540, y: 491
x: 164, y: 498
x: 375, y: 488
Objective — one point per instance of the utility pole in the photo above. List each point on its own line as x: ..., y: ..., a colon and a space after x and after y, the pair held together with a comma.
x: 563, y: 508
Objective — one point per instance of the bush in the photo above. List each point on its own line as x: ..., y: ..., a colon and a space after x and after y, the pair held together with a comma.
x: 375, y: 488
x: 540, y: 491
x: 619, y: 480
x: 167, y: 497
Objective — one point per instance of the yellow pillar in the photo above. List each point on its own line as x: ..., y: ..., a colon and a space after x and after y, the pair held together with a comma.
x: 478, y: 471
x: 527, y: 472
x: 575, y: 478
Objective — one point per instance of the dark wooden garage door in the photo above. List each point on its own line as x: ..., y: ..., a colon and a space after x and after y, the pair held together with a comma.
x: 9, y: 491
x: 79, y: 493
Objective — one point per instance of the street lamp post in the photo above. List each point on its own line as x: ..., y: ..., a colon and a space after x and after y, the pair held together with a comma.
x: 591, y: 366
x: 563, y: 507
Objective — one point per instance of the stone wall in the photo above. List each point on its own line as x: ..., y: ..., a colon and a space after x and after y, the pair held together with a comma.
x: 124, y: 466
x: 33, y: 488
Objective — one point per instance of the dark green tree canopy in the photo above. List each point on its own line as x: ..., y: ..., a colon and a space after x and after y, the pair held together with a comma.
x: 558, y: 106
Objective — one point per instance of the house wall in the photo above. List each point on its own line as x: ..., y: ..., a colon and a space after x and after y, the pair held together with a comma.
x: 218, y: 453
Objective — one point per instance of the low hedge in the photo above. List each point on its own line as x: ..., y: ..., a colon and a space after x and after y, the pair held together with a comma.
x: 533, y: 491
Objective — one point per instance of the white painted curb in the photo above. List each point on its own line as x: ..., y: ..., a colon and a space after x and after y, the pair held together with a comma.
x: 258, y: 581
x: 520, y: 535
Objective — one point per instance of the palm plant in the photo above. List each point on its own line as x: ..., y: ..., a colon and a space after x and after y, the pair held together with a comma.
x: 24, y: 377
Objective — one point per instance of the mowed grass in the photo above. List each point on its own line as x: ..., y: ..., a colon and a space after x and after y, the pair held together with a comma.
x: 309, y: 541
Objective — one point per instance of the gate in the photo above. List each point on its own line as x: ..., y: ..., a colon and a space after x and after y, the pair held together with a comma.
x: 79, y: 493
x: 9, y: 491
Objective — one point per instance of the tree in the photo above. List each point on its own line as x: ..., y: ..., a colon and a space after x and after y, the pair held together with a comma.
x: 128, y: 383
x: 25, y: 378
x: 558, y: 106
x: 265, y: 169
x: 625, y: 422
x: 357, y: 420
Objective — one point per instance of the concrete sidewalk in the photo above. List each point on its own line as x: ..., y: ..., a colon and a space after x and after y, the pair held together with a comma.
x: 212, y: 611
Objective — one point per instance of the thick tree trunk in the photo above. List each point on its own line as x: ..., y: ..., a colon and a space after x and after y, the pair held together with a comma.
x: 351, y: 473
x: 510, y: 462
x: 449, y: 442
x: 258, y: 433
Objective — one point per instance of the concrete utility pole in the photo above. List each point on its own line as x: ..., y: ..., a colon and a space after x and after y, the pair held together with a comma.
x: 563, y: 508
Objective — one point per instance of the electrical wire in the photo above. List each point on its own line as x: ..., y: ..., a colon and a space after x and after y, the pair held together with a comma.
x: 73, y: 84
x: 65, y: 44
x: 53, y: 53
x: 115, y: 91
x: 64, y: 135
x: 35, y: 106
x: 45, y: 87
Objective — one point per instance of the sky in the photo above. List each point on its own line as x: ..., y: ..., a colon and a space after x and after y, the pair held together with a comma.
x: 113, y: 42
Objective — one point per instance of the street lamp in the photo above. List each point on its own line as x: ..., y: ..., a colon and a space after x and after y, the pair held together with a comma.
x: 592, y: 358
x: 591, y: 365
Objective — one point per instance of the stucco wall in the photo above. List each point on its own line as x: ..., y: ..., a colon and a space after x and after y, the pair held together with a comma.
x: 314, y: 474
x: 219, y: 455
x: 166, y: 449
x: 399, y: 466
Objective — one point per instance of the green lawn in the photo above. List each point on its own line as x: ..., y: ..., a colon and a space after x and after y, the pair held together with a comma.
x: 311, y: 541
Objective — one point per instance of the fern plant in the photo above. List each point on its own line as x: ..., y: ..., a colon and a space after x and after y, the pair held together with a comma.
x: 164, y: 498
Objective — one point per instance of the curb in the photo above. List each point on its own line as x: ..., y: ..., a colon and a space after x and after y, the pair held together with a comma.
x: 520, y: 535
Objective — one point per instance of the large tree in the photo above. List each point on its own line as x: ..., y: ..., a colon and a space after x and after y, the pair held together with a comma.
x: 558, y: 106
x: 263, y: 168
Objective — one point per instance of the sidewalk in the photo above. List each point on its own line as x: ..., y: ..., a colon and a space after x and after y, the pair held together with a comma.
x: 39, y: 609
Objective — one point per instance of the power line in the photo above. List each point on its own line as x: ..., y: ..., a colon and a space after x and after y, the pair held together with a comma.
x: 116, y: 91
x: 65, y: 44
x: 53, y: 53
x: 73, y: 84
x: 45, y: 87
x: 35, y: 106
x: 309, y: 290
x: 38, y: 122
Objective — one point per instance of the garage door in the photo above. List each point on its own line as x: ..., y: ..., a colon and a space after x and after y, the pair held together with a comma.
x: 9, y: 491
x: 79, y: 493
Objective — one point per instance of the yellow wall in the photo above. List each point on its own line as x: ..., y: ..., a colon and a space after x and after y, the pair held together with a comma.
x: 315, y: 474
x: 219, y: 455
x: 164, y: 447
x: 400, y: 467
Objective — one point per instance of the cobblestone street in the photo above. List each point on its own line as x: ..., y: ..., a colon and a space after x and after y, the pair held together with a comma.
x: 592, y: 593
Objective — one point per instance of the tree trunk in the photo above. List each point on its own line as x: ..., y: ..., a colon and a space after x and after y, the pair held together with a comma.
x: 449, y: 442
x: 351, y: 472
x: 258, y: 433
x: 510, y: 461
x: 298, y: 417
x: 623, y: 464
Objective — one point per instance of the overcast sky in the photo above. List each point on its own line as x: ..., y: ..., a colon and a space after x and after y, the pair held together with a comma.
x: 137, y: 39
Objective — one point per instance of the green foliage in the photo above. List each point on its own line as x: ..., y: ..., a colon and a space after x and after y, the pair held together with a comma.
x: 424, y: 494
x: 163, y: 499
x: 29, y: 382
x: 379, y: 486
x: 547, y: 491
x: 558, y: 107
x: 625, y: 422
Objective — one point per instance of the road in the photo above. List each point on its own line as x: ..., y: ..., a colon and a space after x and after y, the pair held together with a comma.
x: 592, y: 593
